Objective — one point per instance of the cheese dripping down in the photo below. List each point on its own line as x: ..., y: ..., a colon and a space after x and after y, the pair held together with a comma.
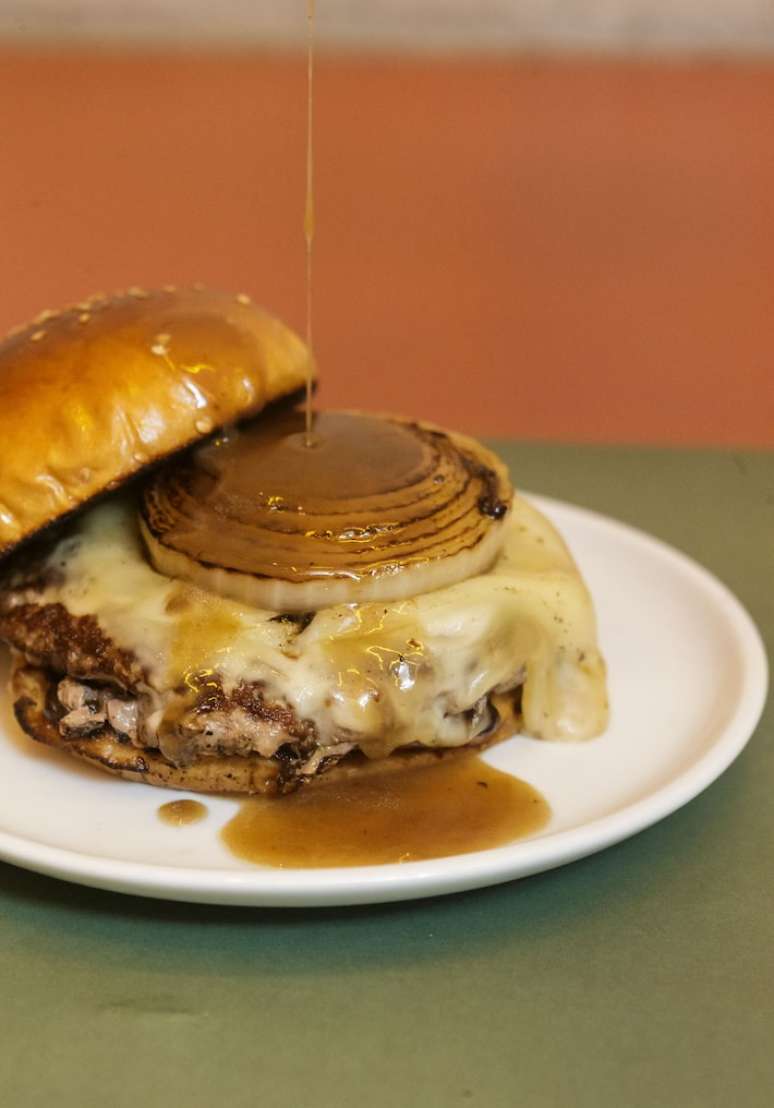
x: 384, y: 675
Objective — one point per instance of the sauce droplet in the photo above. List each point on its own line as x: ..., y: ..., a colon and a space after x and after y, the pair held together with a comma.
x: 382, y: 815
x: 178, y: 813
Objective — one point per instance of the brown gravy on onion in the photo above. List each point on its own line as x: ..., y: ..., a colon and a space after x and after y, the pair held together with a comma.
x: 455, y: 806
x: 371, y: 495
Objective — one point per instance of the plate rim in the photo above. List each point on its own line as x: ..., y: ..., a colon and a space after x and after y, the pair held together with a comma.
x: 275, y: 888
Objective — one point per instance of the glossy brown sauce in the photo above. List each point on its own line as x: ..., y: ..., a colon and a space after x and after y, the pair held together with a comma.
x: 372, y: 495
x: 205, y: 628
x: 454, y: 806
x: 309, y: 214
x: 179, y: 813
x: 355, y: 457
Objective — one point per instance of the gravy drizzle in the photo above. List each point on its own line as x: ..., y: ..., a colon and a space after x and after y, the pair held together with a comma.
x: 309, y: 212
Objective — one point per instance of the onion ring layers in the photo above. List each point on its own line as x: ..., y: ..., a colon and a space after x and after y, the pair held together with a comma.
x: 375, y: 508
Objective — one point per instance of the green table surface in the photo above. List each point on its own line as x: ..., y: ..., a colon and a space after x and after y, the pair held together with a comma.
x: 641, y: 976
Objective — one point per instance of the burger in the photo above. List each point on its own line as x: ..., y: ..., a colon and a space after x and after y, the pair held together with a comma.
x: 201, y: 591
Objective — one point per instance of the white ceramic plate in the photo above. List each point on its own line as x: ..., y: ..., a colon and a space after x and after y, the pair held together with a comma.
x: 688, y: 680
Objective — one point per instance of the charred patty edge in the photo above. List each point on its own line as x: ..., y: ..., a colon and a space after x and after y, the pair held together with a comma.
x: 252, y: 774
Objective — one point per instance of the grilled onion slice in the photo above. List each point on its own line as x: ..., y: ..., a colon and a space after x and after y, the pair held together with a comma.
x: 374, y: 508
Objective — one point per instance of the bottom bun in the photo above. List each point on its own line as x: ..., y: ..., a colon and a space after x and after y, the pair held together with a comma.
x: 33, y: 688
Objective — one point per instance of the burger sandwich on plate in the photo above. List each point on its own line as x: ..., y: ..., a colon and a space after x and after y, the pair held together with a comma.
x: 201, y: 592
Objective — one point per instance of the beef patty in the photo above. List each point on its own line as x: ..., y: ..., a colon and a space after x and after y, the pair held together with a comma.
x: 77, y: 690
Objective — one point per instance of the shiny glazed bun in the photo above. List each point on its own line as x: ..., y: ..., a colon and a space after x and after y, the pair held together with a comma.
x: 93, y: 394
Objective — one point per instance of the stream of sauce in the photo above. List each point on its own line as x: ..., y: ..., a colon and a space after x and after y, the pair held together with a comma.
x: 451, y: 807
x: 309, y: 213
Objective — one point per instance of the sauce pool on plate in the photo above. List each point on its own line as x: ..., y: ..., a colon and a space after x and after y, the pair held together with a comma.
x: 455, y: 806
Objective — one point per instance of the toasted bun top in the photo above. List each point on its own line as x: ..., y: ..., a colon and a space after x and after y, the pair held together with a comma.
x: 93, y: 394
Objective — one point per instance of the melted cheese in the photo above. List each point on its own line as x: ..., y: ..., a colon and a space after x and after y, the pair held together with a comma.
x: 381, y: 675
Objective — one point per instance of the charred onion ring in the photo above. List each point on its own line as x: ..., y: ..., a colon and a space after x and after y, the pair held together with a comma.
x: 376, y: 508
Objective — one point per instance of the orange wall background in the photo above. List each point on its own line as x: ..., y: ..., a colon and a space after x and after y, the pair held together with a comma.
x: 577, y: 249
